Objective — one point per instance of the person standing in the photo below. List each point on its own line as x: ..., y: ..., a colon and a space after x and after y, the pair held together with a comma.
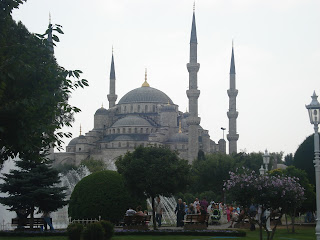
x: 159, y: 209
x: 180, y: 213
x: 47, y: 219
x: 204, y: 204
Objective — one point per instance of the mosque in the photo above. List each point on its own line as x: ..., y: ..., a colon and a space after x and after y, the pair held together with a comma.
x: 146, y: 116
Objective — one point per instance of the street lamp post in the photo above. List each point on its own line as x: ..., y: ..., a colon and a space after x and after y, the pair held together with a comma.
x: 314, y: 115
x: 222, y: 128
x: 266, y: 159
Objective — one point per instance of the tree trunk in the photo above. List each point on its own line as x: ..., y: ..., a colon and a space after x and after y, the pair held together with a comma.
x: 275, y: 226
x: 287, y: 223
x: 260, y: 227
x: 153, y: 214
x: 31, y: 218
x: 293, y: 220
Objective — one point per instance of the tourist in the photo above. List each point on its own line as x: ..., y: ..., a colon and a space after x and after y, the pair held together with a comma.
x: 185, y: 208
x: 180, y: 213
x: 130, y: 212
x: 228, y: 213
x: 204, y: 203
x: 139, y: 211
x: 47, y: 219
x: 191, y: 209
x: 236, y: 217
x: 159, y: 209
x: 197, y: 209
x: 196, y: 202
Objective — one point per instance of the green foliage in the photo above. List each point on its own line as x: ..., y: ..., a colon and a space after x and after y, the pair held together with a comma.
x: 32, y: 185
x: 252, y: 161
x: 108, y: 229
x: 100, y: 194
x: 153, y: 171
x: 304, y: 156
x: 309, y: 203
x: 74, y: 231
x: 93, y: 231
x: 66, y: 167
x: 34, y: 90
x: 288, y: 159
x: 94, y: 165
x: 209, y: 174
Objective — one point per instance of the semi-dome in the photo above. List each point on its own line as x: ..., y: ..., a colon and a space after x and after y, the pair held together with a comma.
x: 145, y: 95
x: 74, y: 141
x: 101, y: 111
x: 131, y: 120
x: 178, y: 137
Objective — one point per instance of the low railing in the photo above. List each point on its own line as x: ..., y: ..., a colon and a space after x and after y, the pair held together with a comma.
x: 84, y: 221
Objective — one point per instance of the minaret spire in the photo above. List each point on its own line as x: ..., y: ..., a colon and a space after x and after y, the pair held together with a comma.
x: 193, y: 93
x: 112, y: 97
x: 50, y: 41
x: 232, y: 114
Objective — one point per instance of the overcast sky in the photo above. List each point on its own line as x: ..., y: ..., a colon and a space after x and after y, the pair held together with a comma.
x: 277, y: 52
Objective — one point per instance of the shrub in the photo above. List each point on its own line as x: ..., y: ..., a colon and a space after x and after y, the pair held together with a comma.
x: 74, y: 231
x: 100, y: 194
x: 108, y: 229
x: 93, y: 231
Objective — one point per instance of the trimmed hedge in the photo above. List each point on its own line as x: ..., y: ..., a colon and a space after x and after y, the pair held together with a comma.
x: 108, y: 229
x: 74, y: 231
x: 100, y: 194
x: 93, y: 231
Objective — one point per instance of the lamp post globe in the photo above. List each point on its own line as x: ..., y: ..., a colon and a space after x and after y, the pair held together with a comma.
x: 314, y: 115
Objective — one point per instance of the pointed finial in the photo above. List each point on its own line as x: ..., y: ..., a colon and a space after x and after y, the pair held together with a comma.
x: 194, y: 6
x: 49, y: 18
x: 112, y: 49
x: 102, y: 105
x: 145, y: 84
x: 232, y: 42
x: 180, y: 131
x: 80, y: 130
x: 168, y: 102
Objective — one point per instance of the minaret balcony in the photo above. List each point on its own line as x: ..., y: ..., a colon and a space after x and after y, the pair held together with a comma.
x: 192, y: 120
x: 112, y: 97
x: 232, y: 137
x: 232, y: 114
x: 232, y: 92
x: 193, y: 93
x: 193, y: 67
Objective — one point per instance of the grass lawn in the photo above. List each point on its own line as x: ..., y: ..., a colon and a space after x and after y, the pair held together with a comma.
x: 303, y: 233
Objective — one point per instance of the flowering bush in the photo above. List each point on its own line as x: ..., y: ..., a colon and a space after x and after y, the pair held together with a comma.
x: 279, y: 194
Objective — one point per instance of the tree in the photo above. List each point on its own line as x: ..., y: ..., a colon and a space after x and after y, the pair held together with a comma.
x: 304, y: 156
x: 33, y: 185
x: 210, y: 173
x: 309, y: 202
x: 154, y: 171
x: 251, y: 161
x: 288, y: 159
x: 34, y: 89
x: 280, y: 194
x: 100, y: 194
x: 94, y: 165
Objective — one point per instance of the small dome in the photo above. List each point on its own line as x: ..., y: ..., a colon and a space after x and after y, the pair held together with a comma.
x: 131, y: 121
x: 178, y: 137
x: 74, y: 141
x: 101, y: 111
x: 82, y: 139
x: 145, y: 95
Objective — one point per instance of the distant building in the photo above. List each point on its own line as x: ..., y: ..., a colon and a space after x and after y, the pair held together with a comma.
x: 147, y: 116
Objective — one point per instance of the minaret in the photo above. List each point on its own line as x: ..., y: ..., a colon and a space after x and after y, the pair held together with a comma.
x: 193, y: 93
x: 112, y: 97
x: 232, y: 136
x: 50, y: 41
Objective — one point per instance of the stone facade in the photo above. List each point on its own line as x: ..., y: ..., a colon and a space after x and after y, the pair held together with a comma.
x: 144, y: 116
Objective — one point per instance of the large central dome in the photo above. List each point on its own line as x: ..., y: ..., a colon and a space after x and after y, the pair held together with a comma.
x: 145, y: 95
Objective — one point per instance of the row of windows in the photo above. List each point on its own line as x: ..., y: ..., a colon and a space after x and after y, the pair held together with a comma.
x: 143, y: 108
x: 131, y: 130
x: 134, y: 145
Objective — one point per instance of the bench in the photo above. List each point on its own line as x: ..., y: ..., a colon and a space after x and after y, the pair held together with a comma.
x: 37, y: 222
x: 196, y: 222
x: 136, y: 222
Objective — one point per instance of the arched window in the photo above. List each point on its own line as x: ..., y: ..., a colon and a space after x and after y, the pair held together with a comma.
x: 146, y: 108
x: 119, y: 144
x: 118, y: 130
x: 141, y: 130
x: 123, y: 130
x: 138, y: 108
x: 125, y: 109
x: 136, y: 130
x: 147, y: 130
x: 112, y: 145
x: 153, y: 108
x: 129, y: 130
x: 113, y: 131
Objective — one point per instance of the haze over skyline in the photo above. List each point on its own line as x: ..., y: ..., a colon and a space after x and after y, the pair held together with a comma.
x: 276, y: 44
